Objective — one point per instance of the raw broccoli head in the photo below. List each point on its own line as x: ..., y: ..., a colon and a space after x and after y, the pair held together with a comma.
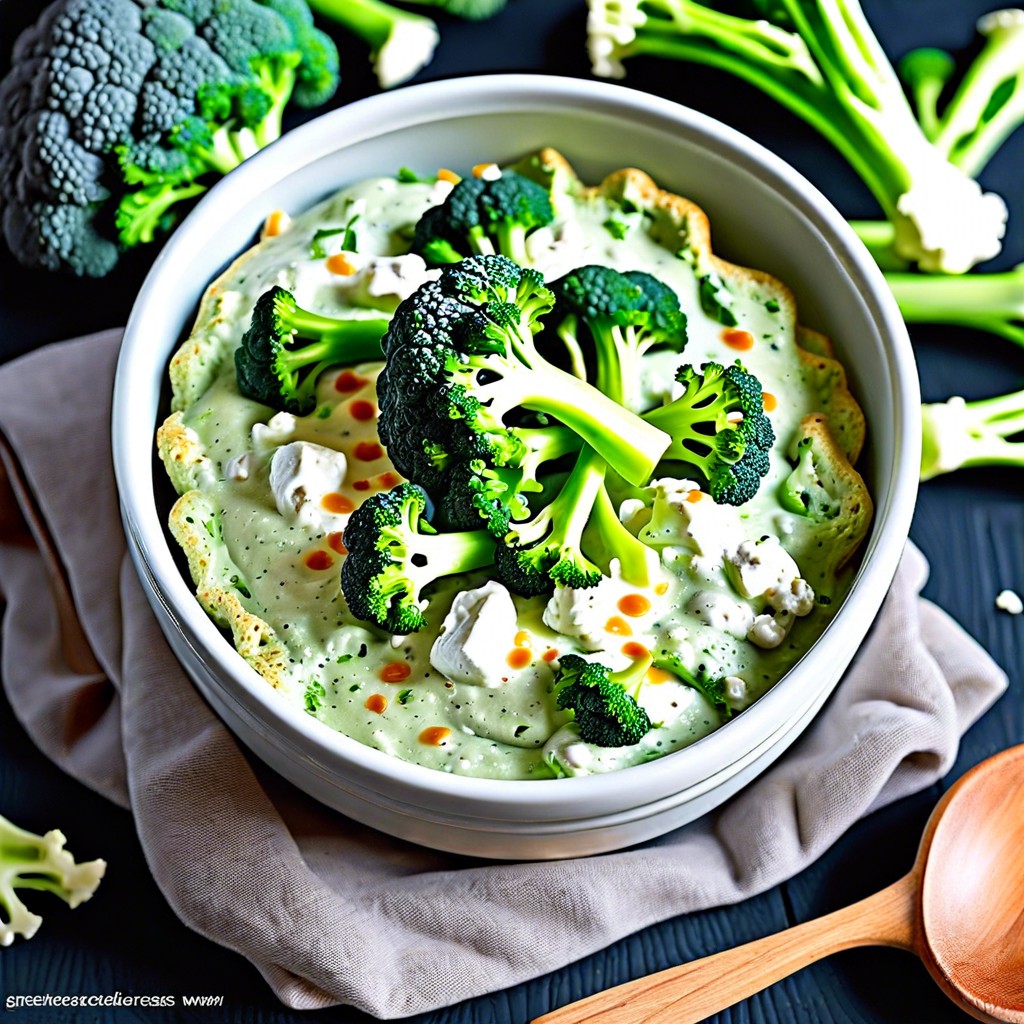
x: 482, y: 216
x: 116, y: 111
x: 606, y: 713
x: 719, y: 425
x: 286, y: 348
x: 625, y: 314
x: 394, y: 553
x: 464, y: 377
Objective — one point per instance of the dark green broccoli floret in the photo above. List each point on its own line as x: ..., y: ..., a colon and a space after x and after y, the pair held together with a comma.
x: 718, y: 425
x: 394, y: 553
x: 464, y: 376
x: 286, y: 348
x: 625, y: 314
x: 116, y: 111
x: 481, y: 217
x: 604, y: 710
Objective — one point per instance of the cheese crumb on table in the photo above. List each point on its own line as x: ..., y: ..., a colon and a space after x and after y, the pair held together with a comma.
x: 1010, y: 602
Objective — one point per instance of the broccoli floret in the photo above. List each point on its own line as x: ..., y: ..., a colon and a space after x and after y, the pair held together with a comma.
x: 549, y: 548
x: 718, y: 425
x: 464, y: 376
x: 626, y: 314
x: 117, y: 111
x: 471, y: 10
x: 394, y: 553
x: 286, y: 348
x: 604, y: 710
x: 957, y: 434
x: 30, y: 861
x: 482, y: 216
x: 401, y: 42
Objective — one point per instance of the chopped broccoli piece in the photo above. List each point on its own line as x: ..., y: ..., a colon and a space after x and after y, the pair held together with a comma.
x: 286, y: 348
x: 116, y: 112
x: 822, y: 61
x: 957, y: 434
x: 718, y: 425
x: 30, y: 861
x: 401, y: 43
x: 604, y: 710
x: 394, y: 553
x: 464, y: 377
x: 803, y: 492
x: 481, y: 217
x: 626, y: 314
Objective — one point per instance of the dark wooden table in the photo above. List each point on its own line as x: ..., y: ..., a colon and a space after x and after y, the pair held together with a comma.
x: 970, y: 525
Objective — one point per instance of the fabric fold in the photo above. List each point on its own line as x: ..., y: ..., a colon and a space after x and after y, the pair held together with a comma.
x: 310, y: 897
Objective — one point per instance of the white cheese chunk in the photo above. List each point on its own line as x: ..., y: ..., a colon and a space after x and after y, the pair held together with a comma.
x: 301, y: 473
x: 1010, y: 602
x: 475, y: 636
x: 278, y: 429
x: 721, y: 612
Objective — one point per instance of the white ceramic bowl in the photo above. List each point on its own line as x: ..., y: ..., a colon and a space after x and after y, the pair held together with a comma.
x: 763, y: 214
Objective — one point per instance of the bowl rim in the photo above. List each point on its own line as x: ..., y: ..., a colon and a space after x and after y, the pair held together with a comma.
x: 463, y: 97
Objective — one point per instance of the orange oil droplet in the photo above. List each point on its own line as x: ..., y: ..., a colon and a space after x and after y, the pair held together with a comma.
x: 368, y: 451
x: 395, y: 672
x: 334, y: 540
x: 617, y: 624
x: 479, y: 170
x: 519, y: 657
x: 361, y: 485
x: 658, y: 675
x: 348, y: 381
x: 694, y: 496
x: 769, y: 401
x: 742, y: 341
x: 319, y: 560
x: 450, y: 176
x: 635, y: 650
x: 435, y: 735
x: 660, y: 589
x: 388, y: 479
x: 550, y: 654
x: 522, y: 638
x: 362, y: 410
x: 376, y: 702
x: 337, y: 503
x: 634, y: 605
x: 275, y: 223
x: 341, y: 265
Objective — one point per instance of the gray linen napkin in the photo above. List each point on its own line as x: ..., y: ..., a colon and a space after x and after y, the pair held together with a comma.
x: 310, y: 897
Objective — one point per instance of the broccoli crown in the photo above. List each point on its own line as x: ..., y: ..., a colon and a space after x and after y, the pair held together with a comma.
x: 605, y: 712
x: 483, y: 216
x: 626, y: 314
x: 719, y: 425
x: 286, y: 348
x: 464, y: 378
x: 393, y: 553
x: 113, y: 102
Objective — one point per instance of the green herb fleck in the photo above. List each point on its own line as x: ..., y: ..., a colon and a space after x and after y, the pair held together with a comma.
x: 404, y: 696
x: 618, y: 229
x: 314, y: 698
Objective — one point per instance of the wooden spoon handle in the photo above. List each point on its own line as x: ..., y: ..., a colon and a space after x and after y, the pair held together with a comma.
x: 693, y: 991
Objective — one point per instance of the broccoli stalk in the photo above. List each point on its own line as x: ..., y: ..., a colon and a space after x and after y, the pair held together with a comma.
x: 471, y: 10
x: 286, y: 348
x: 926, y: 71
x: 957, y: 434
x: 987, y: 302
x: 626, y: 315
x: 820, y: 59
x: 394, y: 554
x: 989, y: 103
x: 605, y: 711
x: 718, y: 425
x: 401, y: 43
x: 607, y: 540
x: 30, y: 861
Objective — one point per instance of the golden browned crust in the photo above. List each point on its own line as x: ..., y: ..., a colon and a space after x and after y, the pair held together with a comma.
x: 181, y: 453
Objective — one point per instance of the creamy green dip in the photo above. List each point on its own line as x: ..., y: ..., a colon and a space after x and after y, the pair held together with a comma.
x: 277, y: 517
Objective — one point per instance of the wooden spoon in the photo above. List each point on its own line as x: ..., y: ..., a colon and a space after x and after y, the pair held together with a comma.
x: 961, y: 909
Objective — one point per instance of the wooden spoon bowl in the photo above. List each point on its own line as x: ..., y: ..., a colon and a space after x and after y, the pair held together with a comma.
x: 960, y: 908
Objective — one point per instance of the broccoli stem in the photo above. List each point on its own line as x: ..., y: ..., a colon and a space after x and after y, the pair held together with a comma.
x: 625, y: 441
x: 926, y: 71
x: 989, y: 102
x: 372, y: 20
x: 141, y: 214
x: 957, y: 434
x: 987, y: 302
x: 612, y: 540
x: 433, y: 555
x: 689, y: 424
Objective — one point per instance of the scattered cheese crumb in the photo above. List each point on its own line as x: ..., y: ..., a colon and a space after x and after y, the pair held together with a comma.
x: 1010, y: 602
